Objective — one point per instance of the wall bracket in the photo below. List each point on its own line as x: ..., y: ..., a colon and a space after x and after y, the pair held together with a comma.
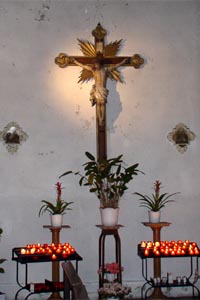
x: 13, y: 136
x: 181, y: 136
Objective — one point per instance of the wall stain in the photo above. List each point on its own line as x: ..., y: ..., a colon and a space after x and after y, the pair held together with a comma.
x: 86, y: 124
x: 42, y: 13
x: 77, y: 111
x: 45, y: 153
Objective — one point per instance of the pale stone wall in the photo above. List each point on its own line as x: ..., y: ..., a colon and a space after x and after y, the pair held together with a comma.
x: 55, y: 112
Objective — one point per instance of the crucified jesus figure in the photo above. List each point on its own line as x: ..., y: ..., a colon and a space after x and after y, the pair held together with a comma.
x: 100, y: 61
x: 99, y: 92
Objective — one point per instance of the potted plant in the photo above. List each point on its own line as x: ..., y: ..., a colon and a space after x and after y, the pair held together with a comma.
x: 156, y: 202
x: 115, y: 291
x: 107, y: 179
x: 56, y: 210
x: 2, y: 260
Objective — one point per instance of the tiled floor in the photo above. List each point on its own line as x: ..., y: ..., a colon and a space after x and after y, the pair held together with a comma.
x: 178, y: 298
x: 182, y: 298
x: 95, y: 297
x: 172, y: 298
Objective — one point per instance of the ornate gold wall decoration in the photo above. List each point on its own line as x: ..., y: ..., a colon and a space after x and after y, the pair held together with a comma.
x: 13, y: 136
x: 181, y: 136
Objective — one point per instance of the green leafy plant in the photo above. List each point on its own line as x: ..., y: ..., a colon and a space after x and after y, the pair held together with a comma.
x: 59, y: 207
x: 107, y: 179
x: 157, y: 201
x: 2, y: 259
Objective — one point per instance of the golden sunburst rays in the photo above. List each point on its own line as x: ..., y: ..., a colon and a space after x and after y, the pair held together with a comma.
x: 85, y: 76
x: 87, y: 48
x: 110, y: 50
x: 115, y: 75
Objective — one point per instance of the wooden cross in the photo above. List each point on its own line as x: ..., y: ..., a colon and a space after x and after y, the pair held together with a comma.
x: 99, y: 63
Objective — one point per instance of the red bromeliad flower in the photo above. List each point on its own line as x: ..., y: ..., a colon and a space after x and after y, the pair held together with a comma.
x: 59, y: 190
x: 157, y: 187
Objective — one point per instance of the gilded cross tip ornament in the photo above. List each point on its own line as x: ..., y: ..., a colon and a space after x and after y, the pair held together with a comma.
x: 99, y: 32
x: 62, y: 60
x: 136, y: 61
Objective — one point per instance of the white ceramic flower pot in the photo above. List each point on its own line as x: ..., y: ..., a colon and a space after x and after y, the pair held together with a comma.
x: 154, y: 216
x: 56, y: 220
x: 110, y: 277
x: 109, y: 216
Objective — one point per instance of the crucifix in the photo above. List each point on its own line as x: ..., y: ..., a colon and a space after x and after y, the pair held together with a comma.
x: 99, y: 63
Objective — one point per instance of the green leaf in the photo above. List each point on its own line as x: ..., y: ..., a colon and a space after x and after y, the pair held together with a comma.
x: 93, y: 190
x: 90, y: 165
x: 118, y: 170
x: 132, y: 168
x: 90, y: 179
x: 81, y: 181
x: 90, y: 156
x: 66, y: 173
x: 2, y: 260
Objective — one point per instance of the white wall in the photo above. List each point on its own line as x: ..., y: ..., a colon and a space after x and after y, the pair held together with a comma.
x: 55, y: 112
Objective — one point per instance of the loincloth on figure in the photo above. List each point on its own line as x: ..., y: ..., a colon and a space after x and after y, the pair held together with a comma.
x: 98, y: 95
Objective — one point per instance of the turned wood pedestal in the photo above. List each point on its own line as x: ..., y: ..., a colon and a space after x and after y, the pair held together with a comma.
x: 55, y: 265
x: 156, y: 228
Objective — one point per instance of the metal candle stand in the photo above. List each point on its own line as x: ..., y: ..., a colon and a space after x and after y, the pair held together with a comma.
x: 157, y: 292
x: 54, y: 286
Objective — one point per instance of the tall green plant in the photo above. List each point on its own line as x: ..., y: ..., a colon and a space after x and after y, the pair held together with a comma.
x: 107, y: 179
